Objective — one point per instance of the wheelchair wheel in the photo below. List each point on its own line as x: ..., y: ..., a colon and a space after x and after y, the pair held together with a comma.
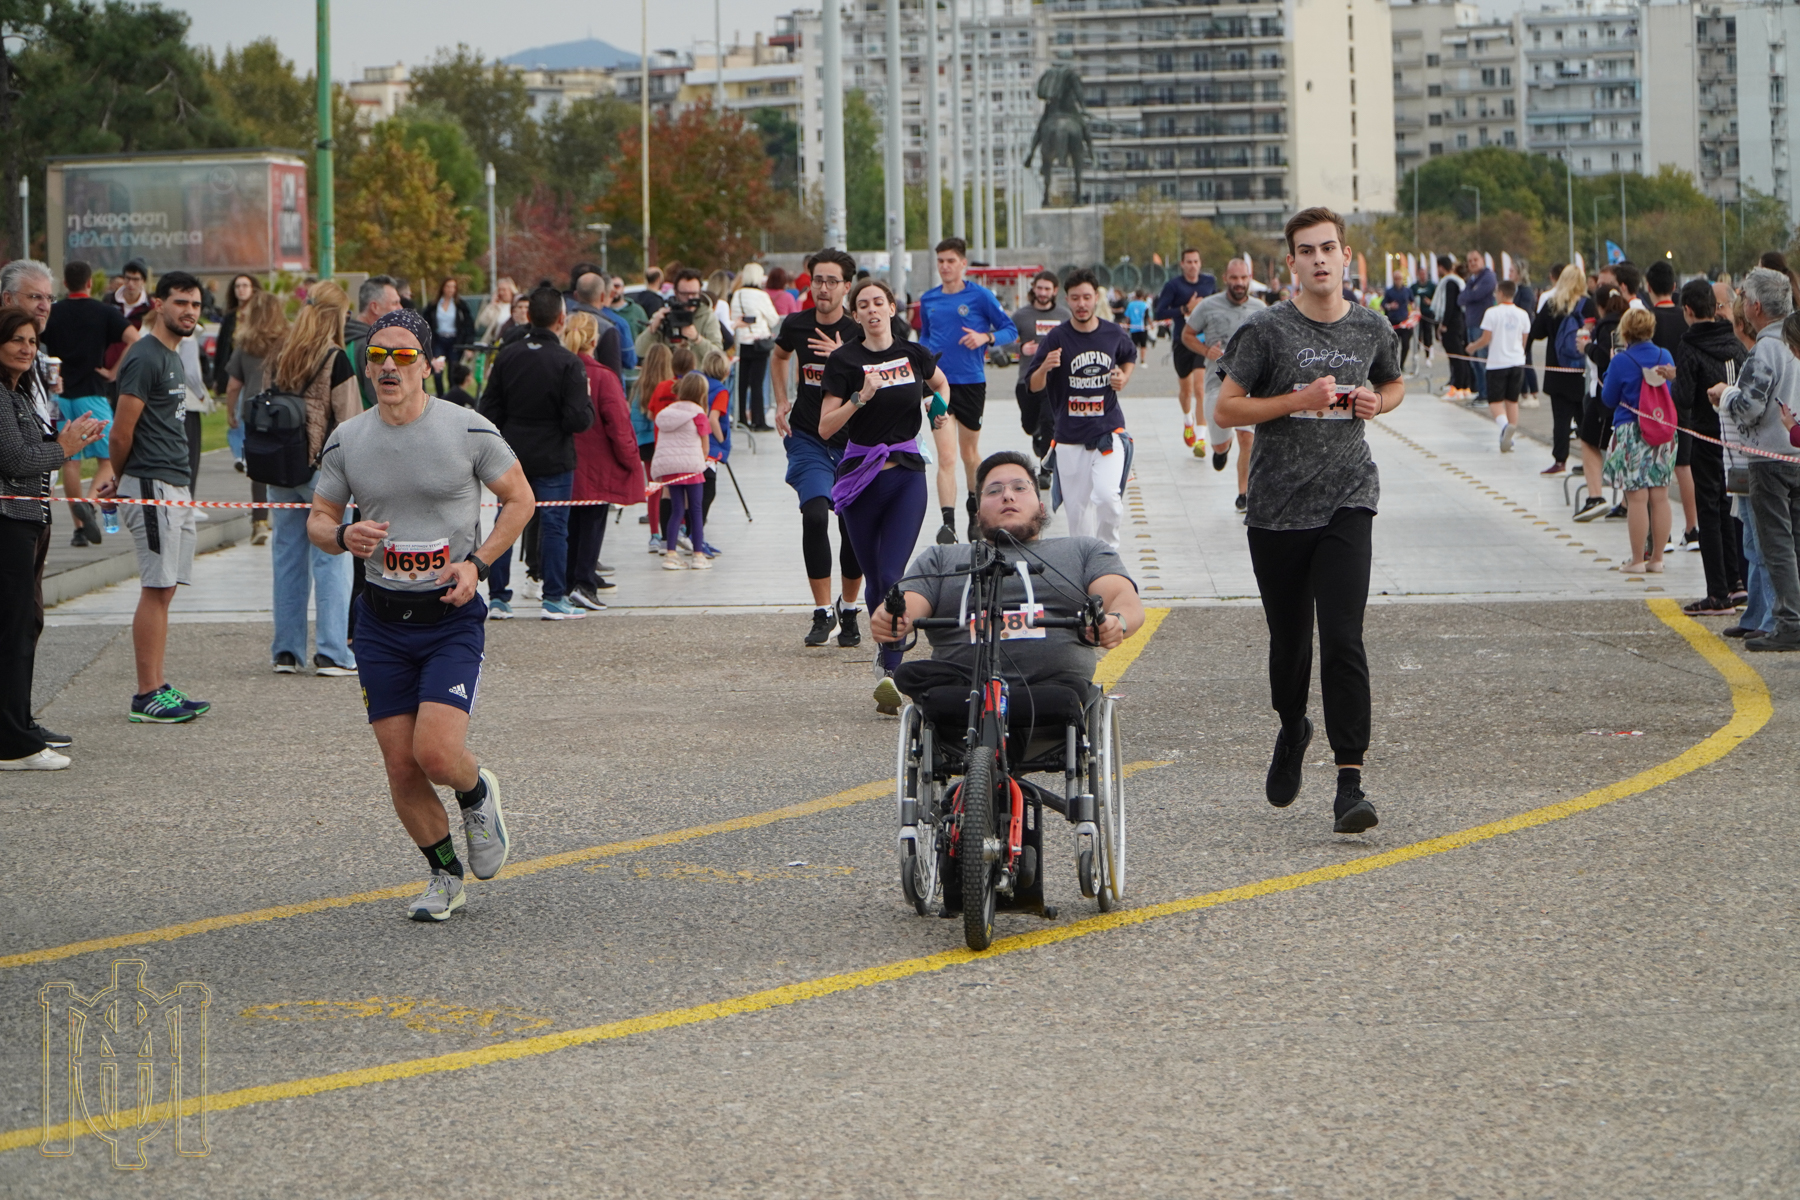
x: 918, y: 859
x: 1109, y: 807
x: 977, y: 872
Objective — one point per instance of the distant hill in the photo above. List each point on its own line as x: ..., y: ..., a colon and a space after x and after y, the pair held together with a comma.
x: 568, y: 56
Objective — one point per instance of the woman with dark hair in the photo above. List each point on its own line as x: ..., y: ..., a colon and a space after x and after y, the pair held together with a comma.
x: 30, y: 452
x: 242, y: 288
x: 786, y: 300
x: 452, y: 325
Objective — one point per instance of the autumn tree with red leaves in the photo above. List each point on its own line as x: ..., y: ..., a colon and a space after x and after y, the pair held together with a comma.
x: 541, y: 238
x: 710, y: 196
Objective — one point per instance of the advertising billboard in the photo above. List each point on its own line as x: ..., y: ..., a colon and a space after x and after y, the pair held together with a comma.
x: 209, y: 214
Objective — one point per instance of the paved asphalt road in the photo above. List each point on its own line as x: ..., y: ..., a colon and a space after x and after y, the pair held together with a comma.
x: 1599, y: 1005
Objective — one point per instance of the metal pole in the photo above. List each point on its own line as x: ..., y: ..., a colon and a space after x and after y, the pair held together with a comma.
x: 493, y: 234
x: 894, y: 160
x: 831, y: 54
x: 934, y: 182
x: 1622, y: 242
x: 25, y: 213
x: 644, y: 122
x: 959, y: 220
x: 1415, y: 207
x: 984, y: 76
x: 1724, y: 257
x: 327, y: 217
x: 1569, y: 186
x: 718, y: 61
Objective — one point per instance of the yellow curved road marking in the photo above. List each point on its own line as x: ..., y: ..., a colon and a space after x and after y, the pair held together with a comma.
x: 1751, y: 710
x: 1109, y: 671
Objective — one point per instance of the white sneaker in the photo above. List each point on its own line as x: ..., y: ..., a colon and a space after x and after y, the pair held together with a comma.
x: 700, y: 563
x: 672, y: 562
x: 44, y: 760
x: 532, y: 590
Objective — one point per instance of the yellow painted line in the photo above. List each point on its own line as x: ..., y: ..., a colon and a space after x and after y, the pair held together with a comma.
x: 1751, y: 710
x: 1110, y: 669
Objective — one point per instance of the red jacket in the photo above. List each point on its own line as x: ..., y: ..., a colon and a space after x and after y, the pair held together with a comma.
x: 607, y: 466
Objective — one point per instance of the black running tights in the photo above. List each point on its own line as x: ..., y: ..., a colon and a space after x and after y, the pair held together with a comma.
x: 815, y: 542
x: 1326, y: 570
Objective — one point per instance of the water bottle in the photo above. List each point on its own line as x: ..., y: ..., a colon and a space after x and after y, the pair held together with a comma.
x: 109, y: 514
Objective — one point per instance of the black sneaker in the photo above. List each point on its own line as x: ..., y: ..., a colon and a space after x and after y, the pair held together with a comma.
x: 824, y: 621
x: 1220, y: 457
x: 90, y: 522
x: 80, y: 538
x: 1711, y: 606
x: 1353, y: 811
x: 1242, y: 503
x: 325, y: 666
x: 974, y: 507
x: 582, y: 596
x: 287, y: 663
x: 56, y: 741
x: 848, y: 633
x: 946, y: 535
x: 1772, y: 642
x: 1043, y: 478
x: 1283, y: 782
x: 1590, y: 508
x: 605, y: 585
x: 1617, y: 513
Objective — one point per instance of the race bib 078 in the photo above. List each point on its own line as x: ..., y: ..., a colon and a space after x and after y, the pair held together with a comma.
x: 893, y: 373
x: 409, y: 562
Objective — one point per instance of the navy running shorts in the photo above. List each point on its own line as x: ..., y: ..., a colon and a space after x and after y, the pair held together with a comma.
x: 1185, y: 360
x: 811, y: 465
x: 404, y: 665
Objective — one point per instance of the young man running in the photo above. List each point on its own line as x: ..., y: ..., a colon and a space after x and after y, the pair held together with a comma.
x: 1176, y: 301
x: 1207, y: 332
x: 1083, y: 365
x: 958, y: 321
x: 807, y: 338
x: 150, y: 446
x: 415, y: 464
x: 1307, y: 373
x: 1504, y: 328
x: 1042, y: 313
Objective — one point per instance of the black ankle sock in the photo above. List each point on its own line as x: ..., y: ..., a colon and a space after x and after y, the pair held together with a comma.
x: 949, y: 514
x: 972, y: 502
x: 442, y: 857
x: 1349, y: 777
x: 474, y: 795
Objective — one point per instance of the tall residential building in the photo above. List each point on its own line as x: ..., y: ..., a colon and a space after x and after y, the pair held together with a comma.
x: 759, y: 75
x: 1583, y: 85
x: 380, y: 93
x: 1716, y: 49
x: 1456, y: 81
x: 1766, y: 32
x: 1238, y: 111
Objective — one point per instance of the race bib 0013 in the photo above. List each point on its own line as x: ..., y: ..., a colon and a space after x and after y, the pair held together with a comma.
x: 409, y: 562
x: 1087, y: 406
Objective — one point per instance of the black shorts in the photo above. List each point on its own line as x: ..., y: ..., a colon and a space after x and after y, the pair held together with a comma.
x: 1140, y: 339
x: 967, y: 402
x: 1504, y: 383
x: 1684, y: 444
x: 1186, y: 361
x: 1596, y: 423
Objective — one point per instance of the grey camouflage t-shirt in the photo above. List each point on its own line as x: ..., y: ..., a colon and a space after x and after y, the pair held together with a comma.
x: 1213, y: 321
x: 1304, y: 468
x: 423, y: 478
x: 1072, y: 565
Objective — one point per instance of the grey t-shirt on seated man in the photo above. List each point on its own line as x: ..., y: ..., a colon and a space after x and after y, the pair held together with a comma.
x: 1304, y: 468
x: 423, y: 478
x: 1071, y: 564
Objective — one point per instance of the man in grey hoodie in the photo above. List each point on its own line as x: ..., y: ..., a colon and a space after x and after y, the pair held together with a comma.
x: 1768, y: 382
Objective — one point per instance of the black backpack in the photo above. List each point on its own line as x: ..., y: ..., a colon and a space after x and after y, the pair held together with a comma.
x: 275, y: 449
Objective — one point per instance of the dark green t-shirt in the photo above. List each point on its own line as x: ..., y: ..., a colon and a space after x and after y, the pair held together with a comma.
x: 159, y: 447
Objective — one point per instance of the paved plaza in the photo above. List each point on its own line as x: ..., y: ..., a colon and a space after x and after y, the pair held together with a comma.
x: 1556, y: 968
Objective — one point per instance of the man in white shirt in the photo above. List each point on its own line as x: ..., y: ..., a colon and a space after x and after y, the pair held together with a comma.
x: 1504, y: 328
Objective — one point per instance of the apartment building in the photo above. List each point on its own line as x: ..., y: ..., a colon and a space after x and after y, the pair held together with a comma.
x: 380, y: 93
x: 1456, y: 84
x: 763, y: 74
x: 1583, y: 85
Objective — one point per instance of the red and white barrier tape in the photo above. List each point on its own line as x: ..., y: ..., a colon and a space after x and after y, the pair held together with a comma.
x: 1479, y: 359
x: 1734, y: 447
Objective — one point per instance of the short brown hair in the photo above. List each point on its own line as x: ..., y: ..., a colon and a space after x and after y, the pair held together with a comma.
x: 955, y: 245
x: 865, y: 284
x: 1637, y: 325
x: 1506, y: 289
x: 1306, y: 218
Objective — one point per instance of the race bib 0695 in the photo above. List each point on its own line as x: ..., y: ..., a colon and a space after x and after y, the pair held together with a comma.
x: 812, y: 374
x: 409, y: 562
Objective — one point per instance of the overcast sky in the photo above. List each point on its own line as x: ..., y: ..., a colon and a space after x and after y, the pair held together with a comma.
x: 369, y: 34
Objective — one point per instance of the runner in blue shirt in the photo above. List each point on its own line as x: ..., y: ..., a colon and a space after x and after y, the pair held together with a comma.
x: 958, y: 321
x: 1177, y: 300
x: 1137, y: 319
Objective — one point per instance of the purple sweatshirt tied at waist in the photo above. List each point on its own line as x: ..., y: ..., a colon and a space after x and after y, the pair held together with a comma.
x: 863, y: 463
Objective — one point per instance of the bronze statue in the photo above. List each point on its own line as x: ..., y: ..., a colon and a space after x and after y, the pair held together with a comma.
x: 1062, y: 132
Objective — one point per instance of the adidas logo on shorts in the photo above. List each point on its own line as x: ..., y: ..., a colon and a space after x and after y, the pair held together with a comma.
x: 459, y: 690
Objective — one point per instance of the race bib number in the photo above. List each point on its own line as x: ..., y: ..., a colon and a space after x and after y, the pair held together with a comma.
x: 1087, y: 406
x: 812, y: 374
x: 894, y: 373
x: 1015, y: 624
x: 1044, y: 327
x: 409, y: 562
x: 1341, y: 408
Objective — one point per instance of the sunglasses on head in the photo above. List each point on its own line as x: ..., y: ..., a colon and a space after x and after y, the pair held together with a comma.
x: 404, y: 356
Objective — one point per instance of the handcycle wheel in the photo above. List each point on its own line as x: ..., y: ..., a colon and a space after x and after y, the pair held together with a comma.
x: 1109, y: 807
x: 919, y: 860
x: 977, y: 872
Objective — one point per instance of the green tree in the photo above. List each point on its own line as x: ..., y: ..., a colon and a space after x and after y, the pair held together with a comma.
x: 397, y: 216
x: 781, y: 142
x: 580, y: 143
x: 264, y: 96
x: 491, y: 104
x: 865, y: 181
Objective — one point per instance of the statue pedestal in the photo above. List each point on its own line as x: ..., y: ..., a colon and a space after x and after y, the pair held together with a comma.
x: 1068, y: 236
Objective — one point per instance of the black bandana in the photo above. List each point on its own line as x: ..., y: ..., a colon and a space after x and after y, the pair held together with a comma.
x: 407, y: 319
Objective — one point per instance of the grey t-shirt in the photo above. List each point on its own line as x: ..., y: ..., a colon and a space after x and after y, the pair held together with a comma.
x: 1033, y: 323
x: 1213, y: 321
x: 1303, y: 469
x: 1059, y: 652
x: 159, y: 447
x: 247, y: 369
x: 424, y: 478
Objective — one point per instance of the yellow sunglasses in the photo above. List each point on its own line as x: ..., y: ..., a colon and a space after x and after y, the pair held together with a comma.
x: 404, y: 357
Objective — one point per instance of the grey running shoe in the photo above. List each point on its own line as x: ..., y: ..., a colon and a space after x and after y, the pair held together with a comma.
x: 441, y: 897
x: 484, y: 827
x: 1506, y: 438
x: 887, y: 697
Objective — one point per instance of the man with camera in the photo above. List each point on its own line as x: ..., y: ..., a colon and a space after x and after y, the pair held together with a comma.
x: 686, y: 319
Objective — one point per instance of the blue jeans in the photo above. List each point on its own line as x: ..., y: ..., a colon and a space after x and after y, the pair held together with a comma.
x: 1480, y: 365
x: 553, y: 541
x: 1759, y: 609
x: 303, y: 571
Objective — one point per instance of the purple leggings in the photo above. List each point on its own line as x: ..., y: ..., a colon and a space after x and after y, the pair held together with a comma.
x: 689, y: 496
x: 883, y: 524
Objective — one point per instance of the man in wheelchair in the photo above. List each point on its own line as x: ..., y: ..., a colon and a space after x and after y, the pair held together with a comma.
x: 1049, y: 672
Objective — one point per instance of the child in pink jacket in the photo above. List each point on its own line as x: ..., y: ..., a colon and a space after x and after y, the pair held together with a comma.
x: 681, y: 432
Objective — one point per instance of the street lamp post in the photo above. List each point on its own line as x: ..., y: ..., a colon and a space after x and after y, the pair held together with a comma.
x: 934, y: 187
x: 644, y: 121
x: 831, y: 84
x: 323, y: 164
x: 493, y: 232
x: 1569, y: 187
x: 895, y: 156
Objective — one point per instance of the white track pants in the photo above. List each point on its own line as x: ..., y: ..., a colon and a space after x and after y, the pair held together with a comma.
x: 1092, y: 485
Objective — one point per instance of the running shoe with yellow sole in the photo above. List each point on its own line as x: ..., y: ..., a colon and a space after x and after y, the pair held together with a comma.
x: 441, y: 897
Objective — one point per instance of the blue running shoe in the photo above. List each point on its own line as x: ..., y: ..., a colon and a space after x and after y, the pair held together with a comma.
x: 160, y: 707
